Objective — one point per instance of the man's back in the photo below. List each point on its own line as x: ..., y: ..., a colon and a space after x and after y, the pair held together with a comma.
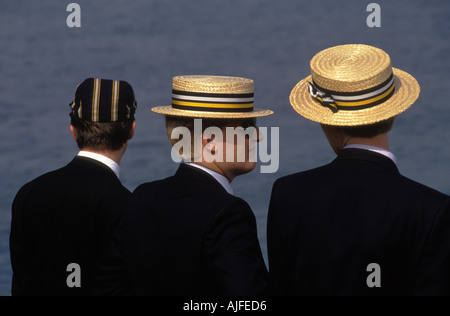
x: 185, y: 235
x: 66, y: 216
x: 326, y: 226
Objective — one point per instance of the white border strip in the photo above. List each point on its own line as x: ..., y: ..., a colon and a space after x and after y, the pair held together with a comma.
x: 209, y: 99
x: 364, y: 96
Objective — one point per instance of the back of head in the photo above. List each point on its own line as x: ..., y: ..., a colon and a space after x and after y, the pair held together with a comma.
x: 218, y: 101
x: 369, y: 131
x: 103, y: 114
x: 101, y: 136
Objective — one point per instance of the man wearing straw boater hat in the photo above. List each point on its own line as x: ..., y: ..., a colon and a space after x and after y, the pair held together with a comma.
x: 357, y: 226
x: 63, y: 220
x: 188, y: 234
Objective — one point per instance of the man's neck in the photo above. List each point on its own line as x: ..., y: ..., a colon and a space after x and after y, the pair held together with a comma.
x: 114, y: 166
x: 213, y: 167
x: 380, y: 141
x: 115, y: 156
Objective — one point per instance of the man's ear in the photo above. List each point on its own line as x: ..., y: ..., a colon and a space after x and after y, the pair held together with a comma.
x: 208, y: 143
x: 74, y: 132
x: 133, y: 127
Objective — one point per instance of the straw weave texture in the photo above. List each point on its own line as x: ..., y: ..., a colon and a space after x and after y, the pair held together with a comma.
x: 213, y: 84
x: 350, y: 68
x: 353, y: 68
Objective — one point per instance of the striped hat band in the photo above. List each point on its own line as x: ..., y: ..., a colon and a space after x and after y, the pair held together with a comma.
x: 212, y: 97
x: 212, y: 102
x: 351, y: 101
x: 101, y: 100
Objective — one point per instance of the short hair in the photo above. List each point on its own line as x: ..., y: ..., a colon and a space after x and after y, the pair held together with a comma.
x: 101, y: 136
x: 369, y: 131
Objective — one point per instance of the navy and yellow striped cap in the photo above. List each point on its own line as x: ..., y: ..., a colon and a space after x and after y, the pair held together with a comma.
x: 101, y: 100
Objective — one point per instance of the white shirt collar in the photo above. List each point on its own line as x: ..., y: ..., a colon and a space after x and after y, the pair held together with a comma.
x: 220, y: 178
x: 381, y: 151
x: 103, y: 159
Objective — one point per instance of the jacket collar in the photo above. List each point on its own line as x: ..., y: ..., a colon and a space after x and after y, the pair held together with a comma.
x: 85, y: 162
x: 114, y: 166
x: 199, y: 175
x: 368, y: 156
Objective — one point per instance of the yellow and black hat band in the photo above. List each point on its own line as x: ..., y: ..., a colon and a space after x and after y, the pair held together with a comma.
x: 212, y: 102
x: 352, y: 101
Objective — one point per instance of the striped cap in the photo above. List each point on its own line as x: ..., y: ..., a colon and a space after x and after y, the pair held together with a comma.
x: 101, y: 100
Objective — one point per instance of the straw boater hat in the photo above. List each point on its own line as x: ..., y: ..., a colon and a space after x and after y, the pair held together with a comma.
x: 212, y: 97
x: 353, y: 85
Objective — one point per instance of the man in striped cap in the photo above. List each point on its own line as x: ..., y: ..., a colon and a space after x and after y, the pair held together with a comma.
x: 62, y: 220
x: 188, y: 234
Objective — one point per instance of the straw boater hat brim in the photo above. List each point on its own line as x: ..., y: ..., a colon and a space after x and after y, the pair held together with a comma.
x: 168, y: 110
x: 216, y: 97
x: 353, y: 69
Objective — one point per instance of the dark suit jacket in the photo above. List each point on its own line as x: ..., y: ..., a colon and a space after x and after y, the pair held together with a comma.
x: 63, y: 217
x: 327, y: 225
x: 184, y: 235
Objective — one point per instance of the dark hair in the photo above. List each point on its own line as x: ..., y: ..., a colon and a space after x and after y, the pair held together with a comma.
x: 369, y: 131
x: 101, y: 136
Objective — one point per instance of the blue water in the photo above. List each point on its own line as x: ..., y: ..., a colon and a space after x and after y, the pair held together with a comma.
x: 147, y: 42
